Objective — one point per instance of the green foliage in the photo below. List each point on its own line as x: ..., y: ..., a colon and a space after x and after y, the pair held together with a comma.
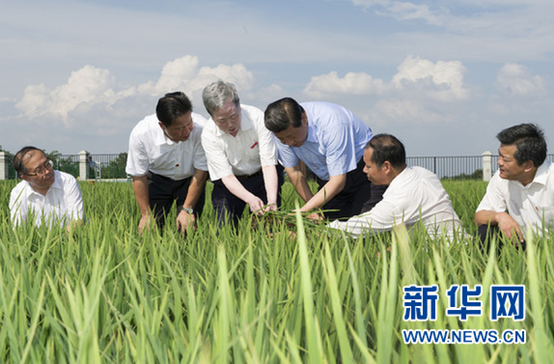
x: 105, y: 294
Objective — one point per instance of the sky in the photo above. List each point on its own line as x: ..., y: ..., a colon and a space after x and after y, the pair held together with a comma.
x: 442, y: 76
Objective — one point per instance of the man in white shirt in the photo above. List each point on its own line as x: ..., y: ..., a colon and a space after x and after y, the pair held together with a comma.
x: 414, y: 196
x: 45, y: 194
x: 167, y: 162
x: 520, y: 195
x: 241, y: 155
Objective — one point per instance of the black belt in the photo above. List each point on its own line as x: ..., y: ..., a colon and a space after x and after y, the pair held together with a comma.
x: 248, y: 176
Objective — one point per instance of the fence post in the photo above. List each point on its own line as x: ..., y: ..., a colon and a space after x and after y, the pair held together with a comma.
x: 3, y: 166
x: 487, y: 166
x: 83, y: 165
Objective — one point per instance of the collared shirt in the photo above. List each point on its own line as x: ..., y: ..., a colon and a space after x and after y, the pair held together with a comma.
x: 528, y: 205
x: 336, y: 141
x: 62, y: 203
x: 150, y: 150
x: 244, y: 154
x: 416, y: 194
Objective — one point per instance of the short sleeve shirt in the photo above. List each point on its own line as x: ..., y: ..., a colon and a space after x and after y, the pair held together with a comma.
x: 529, y: 205
x: 416, y: 194
x: 335, y: 143
x: 244, y: 154
x: 151, y: 151
x: 62, y: 203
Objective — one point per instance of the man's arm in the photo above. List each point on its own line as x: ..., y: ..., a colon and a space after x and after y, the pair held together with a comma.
x: 140, y: 188
x: 326, y: 193
x: 503, y: 220
x: 299, y: 182
x: 237, y: 189
x: 197, y: 184
x: 271, y: 186
x: 74, y: 202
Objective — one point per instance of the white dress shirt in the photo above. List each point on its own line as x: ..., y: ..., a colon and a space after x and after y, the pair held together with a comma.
x: 528, y: 205
x: 62, y: 203
x: 415, y: 195
x: 244, y: 154
x: 150, y: 150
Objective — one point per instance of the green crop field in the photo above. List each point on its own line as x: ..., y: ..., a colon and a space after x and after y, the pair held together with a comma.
x: 105, y: 294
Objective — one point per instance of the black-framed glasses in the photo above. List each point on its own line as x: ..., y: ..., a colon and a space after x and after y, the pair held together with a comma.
x: 41, y: 170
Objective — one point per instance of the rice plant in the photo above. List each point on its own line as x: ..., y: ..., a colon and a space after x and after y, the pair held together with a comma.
x: 255, y: 294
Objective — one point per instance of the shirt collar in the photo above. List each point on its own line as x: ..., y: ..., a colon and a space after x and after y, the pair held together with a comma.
x: 57, y: 185
x: 541, y: 176
x: 312, y: 130
x: 161, y: 139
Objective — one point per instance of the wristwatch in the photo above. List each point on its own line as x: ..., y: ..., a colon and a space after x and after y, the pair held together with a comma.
x: 187, y: 210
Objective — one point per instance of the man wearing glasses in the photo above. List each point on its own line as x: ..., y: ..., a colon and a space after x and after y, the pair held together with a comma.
x: 44, y: 194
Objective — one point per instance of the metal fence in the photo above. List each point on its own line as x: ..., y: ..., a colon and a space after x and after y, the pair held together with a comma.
x: 457, y: 167
x: 100, y: 166
x: 112, y: 166
x: 470, y: 167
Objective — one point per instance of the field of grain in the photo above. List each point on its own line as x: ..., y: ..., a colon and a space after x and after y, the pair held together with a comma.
x: 105, y: 294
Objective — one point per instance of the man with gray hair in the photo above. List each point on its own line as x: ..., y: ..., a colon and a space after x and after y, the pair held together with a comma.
x: 241, y: 155
x: 50, y: 196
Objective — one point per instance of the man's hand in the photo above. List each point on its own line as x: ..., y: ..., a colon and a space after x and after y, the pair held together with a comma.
x: 315, y: 216
x: 256, y: 205
x: 270, y: 207
x: 185, y: 221
x: 509, y: 226
x: 145, y: 222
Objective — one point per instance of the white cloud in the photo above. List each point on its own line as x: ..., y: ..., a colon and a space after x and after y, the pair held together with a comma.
x: 351, y: 84
x: 88, y: 85
x: 91, y: 88
x: 416, y: 78
x: 404, y: 111
x: 442, y: 81
x: 515, y: 79
x: 402, y: 10
x: 405, y: 10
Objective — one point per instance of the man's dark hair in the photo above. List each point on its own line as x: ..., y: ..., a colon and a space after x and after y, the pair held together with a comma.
x: 387, y: 147
x: 281, y: 114
x: 529, y: 141
x: 172, y: 106
x: 18, y: 158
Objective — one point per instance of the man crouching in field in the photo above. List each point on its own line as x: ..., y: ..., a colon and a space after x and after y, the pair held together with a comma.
x: 50, y: 196
x: 520, y: 195
x: 167, y: 163
x: 414, y: 194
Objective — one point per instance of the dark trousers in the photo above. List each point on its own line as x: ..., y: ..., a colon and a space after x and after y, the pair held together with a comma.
x: 486, y: 233
x: 163, y: 191
x: 359, y: 195
x: 229, y: 207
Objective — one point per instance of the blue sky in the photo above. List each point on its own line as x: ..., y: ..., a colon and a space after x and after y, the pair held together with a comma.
x: 444, y: 77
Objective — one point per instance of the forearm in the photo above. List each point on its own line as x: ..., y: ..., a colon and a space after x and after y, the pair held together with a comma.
x: 140, y: 188
x: 326, y: 193
x: 485, y: 217
x: 196, y: 187
x: 237, y: 189
x: 271, y: 183
x: 299, y: 182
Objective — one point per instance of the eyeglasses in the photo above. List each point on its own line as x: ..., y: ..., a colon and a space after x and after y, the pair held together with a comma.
x: 41, y: 170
